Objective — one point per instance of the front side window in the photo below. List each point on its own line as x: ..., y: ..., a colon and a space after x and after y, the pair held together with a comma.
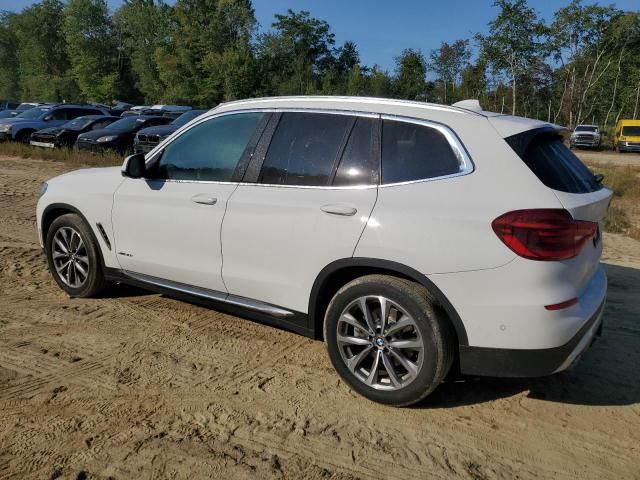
x: 210, y: 150
x: 304, y: 149
x: 415, y: 152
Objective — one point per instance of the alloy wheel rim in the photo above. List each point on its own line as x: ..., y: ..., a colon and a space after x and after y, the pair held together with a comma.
x: 380, y: 343
x: 70, y: 257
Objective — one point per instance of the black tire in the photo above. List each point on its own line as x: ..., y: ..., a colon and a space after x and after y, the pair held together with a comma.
x: 94, y: 281
x: 430, y: 328
x: 24, y: 137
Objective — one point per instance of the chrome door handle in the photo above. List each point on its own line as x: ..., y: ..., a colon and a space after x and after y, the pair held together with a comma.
x: 344, y: 210
x: 204, y: 199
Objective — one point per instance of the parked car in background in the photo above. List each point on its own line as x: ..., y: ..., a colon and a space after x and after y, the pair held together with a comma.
x: 173, y: 111
x: 29, y: 105
x: 585, y: 136
x: 21, y: 127
x: 67, y: 134
x: 119, y: 135
x: 344, y: 219
x: 8, y: 113
x: 4, y: 105
x: 147, y: 138
x: 118, y: 107
x: 627, y: 136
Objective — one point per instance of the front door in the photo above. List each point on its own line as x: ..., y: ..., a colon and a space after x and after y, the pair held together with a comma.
x: 168, y: 224
x: 310, y: 199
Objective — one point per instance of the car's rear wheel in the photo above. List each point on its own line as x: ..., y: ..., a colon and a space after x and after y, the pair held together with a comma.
x: 387, y: 339
x: 73, y: 256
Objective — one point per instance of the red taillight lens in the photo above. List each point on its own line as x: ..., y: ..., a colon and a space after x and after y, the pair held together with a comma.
x: 543, y: 234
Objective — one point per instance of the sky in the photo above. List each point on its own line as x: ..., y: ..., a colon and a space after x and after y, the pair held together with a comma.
x: 382, y: 28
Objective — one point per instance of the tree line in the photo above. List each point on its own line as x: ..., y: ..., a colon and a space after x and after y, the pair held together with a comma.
x: 581, y: 66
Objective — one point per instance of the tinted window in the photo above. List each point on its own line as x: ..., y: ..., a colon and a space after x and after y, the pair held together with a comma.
x: 415, y: 152
x: 553, y: 163
x: 60, y: 114
x: 34, y: 113
x: 360, y: 161
x: 304, y: 148
x: 631, y: 131
x: 101, y: 124
x: 209, y: 151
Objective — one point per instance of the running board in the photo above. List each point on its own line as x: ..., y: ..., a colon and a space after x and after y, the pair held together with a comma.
x: 211, y: 295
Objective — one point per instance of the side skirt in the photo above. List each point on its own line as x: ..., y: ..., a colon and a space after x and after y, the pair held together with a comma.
x: 232, y: 304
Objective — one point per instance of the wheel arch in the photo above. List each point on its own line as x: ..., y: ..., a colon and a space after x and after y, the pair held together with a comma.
x: 340, y: 272
x: 55, y: 210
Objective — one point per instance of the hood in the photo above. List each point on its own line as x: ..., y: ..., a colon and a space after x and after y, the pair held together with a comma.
x: 51, y: 130
x: 161, y: 130
x: 14, y: 121
x: 103, y: 132
x: 89, y: 174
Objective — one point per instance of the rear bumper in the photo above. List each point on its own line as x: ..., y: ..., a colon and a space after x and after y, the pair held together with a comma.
x: 501, y: 362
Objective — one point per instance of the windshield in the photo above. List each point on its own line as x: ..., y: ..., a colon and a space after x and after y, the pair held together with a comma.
x: 78, y: 123
x: 127, y: 123
x: 586, y: 129
x: 186, y: 117
x: 33, y: 113
x: 631, y: 131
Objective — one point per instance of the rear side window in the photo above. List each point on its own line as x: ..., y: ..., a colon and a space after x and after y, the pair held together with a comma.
x: 553, y: 163
x: 304, y: 149
x: 360, y: 160
x: 415, y: 152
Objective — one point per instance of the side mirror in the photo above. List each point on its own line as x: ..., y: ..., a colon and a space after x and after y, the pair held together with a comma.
x: 48, y: 118
x: 134, y: 166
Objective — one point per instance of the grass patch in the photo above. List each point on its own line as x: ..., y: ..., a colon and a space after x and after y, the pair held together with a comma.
x: 63, y: 155
x: 624, y: 212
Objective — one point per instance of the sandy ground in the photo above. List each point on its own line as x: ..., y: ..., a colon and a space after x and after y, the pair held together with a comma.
x: 142, y: 386
x: 609, y: 157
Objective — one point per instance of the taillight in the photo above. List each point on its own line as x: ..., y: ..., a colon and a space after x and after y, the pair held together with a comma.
x: 543, y: 234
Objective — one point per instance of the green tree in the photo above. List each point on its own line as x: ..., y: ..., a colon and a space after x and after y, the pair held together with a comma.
x: 449, y: 61
x: 514, y: 42
x: 92, y: 49
x: 203, y: 33
x: 43, y: 64
x: 9, y: 84
x: 142, y: 27
x: 410, y: 78
x: 297, y: 54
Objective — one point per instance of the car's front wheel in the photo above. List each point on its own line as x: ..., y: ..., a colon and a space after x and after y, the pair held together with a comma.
x: 388, y: 340
x: 73, y: 256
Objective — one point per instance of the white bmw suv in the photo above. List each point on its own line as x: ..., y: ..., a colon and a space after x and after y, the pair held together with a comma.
x: 413, y: 238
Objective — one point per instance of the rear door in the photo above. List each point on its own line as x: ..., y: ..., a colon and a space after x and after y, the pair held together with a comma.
x: 306, y: 199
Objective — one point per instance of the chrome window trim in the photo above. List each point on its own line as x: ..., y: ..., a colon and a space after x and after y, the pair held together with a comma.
x: 466, y: 163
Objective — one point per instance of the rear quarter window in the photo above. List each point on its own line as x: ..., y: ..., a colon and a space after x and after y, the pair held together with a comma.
x: 415, y: 152
x: 553, y: 163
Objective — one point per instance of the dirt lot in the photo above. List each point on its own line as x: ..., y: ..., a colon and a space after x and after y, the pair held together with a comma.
x: 142, y: 386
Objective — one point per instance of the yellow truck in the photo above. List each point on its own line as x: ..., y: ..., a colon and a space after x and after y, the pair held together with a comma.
x: 626, y: 137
